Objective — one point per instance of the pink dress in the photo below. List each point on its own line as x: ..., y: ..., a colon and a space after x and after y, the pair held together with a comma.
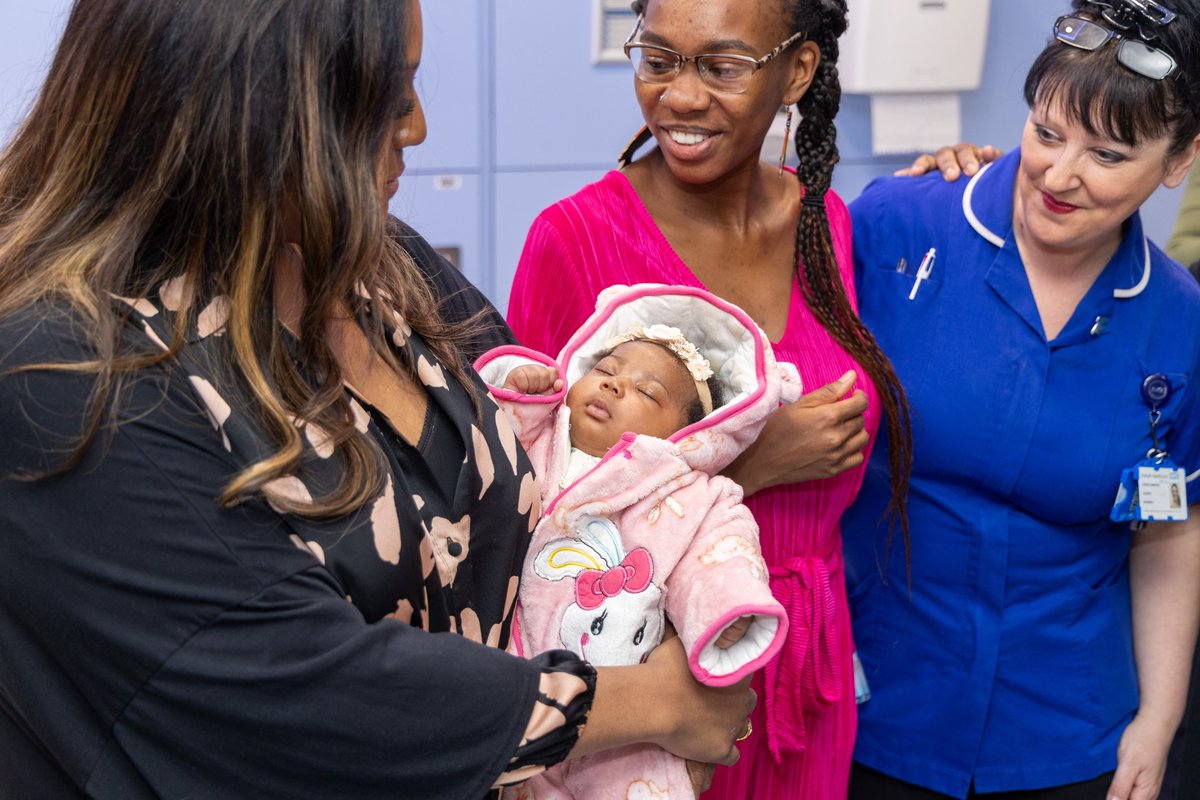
x: 804, y: 722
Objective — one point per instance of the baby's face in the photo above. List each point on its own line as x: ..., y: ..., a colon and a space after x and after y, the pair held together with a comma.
x: 639, y: 387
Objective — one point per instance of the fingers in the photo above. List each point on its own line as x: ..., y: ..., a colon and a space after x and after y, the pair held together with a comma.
x: 734, y: 632
x: 533, y: 379
x: 829, y: 393
x: 731, y: 707
x: 964, y: 158
x: 848, y: 455
x: 951, y: 161
x: 967, y: 156
x: 849, y: 452
x: 520, y: 379
x: 945, y: 160
x: 688, y: 718
x: 851, y: 408
x: 921, y: 165
x: 513, y: 381
x: 971, y: 158
x: 1131, y: 783
x: 1121, y: 786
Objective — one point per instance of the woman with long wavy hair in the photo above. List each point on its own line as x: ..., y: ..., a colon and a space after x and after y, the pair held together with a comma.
x: 254, y: 506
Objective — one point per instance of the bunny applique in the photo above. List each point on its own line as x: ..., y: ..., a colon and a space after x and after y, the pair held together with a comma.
x: 616, y: 617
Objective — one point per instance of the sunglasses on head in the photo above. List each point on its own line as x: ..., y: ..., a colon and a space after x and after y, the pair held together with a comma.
x: 1132, y: 53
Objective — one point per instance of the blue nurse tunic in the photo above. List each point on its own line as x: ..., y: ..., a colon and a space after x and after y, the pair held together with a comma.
x: 1009, y: 660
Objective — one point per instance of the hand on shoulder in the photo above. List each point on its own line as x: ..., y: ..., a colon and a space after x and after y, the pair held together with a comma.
x: 952, y: 161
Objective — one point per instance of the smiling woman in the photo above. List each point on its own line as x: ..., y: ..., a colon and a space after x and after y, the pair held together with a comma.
x: 700, y: 210
x: 1058, y: 639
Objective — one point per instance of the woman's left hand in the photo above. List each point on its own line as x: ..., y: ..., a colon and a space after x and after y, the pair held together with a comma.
x: 952, y: 161
x: 1141, y: 759
x: 1163, y: 564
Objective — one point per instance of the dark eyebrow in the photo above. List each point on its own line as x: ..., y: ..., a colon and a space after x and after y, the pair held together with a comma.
x: 715, y: 46
x: 605, y: 357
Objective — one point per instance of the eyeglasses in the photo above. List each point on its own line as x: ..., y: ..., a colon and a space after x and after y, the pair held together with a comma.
x: 723, y: 72
x: 1125, y: 13
x: 1132, y: 53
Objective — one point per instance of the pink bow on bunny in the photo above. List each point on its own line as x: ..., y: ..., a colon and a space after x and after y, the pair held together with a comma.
x: 632, y: 575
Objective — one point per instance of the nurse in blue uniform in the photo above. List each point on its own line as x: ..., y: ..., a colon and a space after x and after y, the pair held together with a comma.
x: 1038, y: 646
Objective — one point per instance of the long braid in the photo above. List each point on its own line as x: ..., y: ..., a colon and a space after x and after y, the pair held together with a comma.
x: 816, y: 267
x: 815, y: 264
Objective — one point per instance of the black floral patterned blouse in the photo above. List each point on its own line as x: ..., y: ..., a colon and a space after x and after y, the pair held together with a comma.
x: 158, y: 645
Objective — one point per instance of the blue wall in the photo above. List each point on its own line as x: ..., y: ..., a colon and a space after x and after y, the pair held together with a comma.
x: 514, y: 127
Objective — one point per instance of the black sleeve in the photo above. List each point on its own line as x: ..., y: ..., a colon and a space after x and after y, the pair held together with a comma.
x: 460, y: 299
x: 153, y: 644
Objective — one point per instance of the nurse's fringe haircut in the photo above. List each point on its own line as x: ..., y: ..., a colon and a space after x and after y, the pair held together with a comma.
x: 816, y: 267
x: 1109, y: 100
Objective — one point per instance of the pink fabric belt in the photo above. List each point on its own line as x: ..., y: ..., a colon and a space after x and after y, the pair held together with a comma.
x: 807, y: 673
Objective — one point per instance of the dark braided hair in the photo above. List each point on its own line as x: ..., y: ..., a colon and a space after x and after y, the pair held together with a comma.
x: 816, y: 268
x: 813, y: 258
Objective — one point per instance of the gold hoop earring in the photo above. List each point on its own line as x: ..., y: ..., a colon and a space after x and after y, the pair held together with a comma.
x: 787, y: 134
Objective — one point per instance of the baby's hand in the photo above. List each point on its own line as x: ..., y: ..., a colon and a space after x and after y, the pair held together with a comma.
x: 533, y: 379
x: 734, y: 633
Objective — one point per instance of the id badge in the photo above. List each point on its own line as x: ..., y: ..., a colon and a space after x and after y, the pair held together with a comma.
x: 1154, y: 490
x: 862, y: 690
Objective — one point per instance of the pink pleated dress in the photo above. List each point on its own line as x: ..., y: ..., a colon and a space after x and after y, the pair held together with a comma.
x: 804, y: 723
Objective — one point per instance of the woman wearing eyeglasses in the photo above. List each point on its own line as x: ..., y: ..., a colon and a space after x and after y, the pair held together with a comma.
x: 1040, y: 645
x: 702, y: 210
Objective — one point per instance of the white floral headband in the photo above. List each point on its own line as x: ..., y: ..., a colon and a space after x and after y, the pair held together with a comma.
x: 673, y: 339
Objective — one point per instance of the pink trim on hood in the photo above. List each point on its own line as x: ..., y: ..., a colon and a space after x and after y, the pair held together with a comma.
x: 501, y: 393
x: 713, y: 442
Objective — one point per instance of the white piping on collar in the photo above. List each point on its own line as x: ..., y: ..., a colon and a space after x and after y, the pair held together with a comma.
x: 986, y: 233
x: 973, y: 220
x: 1134, y: 291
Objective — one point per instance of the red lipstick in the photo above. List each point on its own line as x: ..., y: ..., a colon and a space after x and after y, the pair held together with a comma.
x: 1055, y: 206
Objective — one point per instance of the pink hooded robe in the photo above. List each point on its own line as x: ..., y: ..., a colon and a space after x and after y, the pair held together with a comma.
x: 652, y: 528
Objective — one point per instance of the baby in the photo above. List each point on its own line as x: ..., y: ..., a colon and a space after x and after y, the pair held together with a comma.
x: 628, y: 438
